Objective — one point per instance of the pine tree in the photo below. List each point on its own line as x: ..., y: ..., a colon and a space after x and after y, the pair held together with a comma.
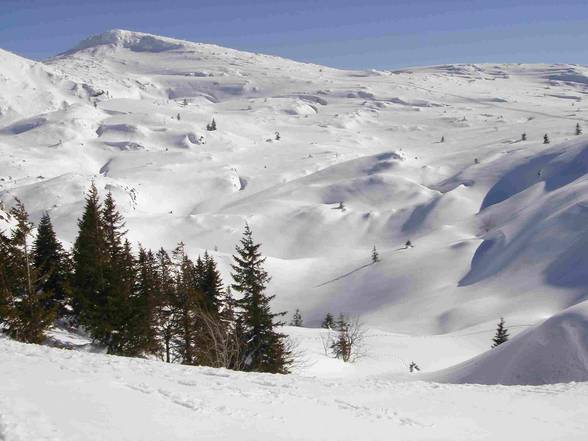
x: 210, y: 283
x: 5, y: 284
x: 212, y: 126
x: 546, y: 139
x: 143, y: 321
x: 186, y: 304
x: 501, y: 334
x: 89, y: 254
x: 328, y: 322
x: 375, y: 255
x: 264, y: 348
x: 164, y: 319
x: 297, y: 319
x: 341, y: 346
x: 524, y: 137
x: 119, y: 283
x: 53, y: 266
x: 29, y: 316
x: 578, y: 129
x: 122, y: 322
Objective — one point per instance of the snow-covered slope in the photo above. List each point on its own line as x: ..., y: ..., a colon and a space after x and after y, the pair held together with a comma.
x: 554, y: 351
x: 497, y: 223
x: 51, y: 394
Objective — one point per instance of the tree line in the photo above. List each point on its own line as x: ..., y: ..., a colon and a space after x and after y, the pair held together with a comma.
x: 143, y: 303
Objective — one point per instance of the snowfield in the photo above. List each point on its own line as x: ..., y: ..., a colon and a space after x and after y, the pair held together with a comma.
x: 52, y: 394
x: 499, y: 227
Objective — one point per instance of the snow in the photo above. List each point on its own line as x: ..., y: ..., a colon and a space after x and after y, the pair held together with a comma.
x: 551, y: 352
x: 54, y: 394
x: 498, y: 224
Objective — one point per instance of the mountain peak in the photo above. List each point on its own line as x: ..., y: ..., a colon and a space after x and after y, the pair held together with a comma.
x: 135, y: 41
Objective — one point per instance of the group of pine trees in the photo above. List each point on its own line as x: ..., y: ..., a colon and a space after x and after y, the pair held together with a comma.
x: 155, y: 304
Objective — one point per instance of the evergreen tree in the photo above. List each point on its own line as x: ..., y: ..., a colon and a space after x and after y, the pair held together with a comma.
x: 186, y: 304
x: 328, y: 322
x: 524, y: 137
x: 6, y: 299
x: 28, y: 316
x: 89, y: 256
x: 264, y: 348
x: 212, y: 126
x: 341, y: 346
x: 119, y: 272
x: 375, y: 255
x: 501, y: 334
x: 297, y: 319
x: 122, y: 322
x: 144, y: 323
x: 53, y: 266
x: 546, y: 139
x: 578, y: 129
x: 210, y: 283
x: 164, y: 319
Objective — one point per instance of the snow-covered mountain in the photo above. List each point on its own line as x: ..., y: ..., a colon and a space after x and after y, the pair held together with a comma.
x: 433, y: 155
x: 498, y: 223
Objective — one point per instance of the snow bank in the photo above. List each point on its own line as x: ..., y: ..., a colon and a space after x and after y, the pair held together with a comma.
x: 555, y: 351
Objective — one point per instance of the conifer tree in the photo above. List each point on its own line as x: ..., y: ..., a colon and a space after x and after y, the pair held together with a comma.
x: 210, y: 283
x: 524, y: 137
x: 578, y: 129
x: 212, y: 126
x: 187, y: 301
x: 29, y: 316
x: 122, y: 323
x: 297, y: 319
x: 89, y: 257
x: 5, y: 284
x: 501, y: 335
x: 341, y: 346
x: 328, y: 322
x: 546, y: 139
x: 164, y: 319
x: 144, y: 317
x: 53, y: 266
x: 119, y: 272
x: 375, y: 255
x: 264, y: 348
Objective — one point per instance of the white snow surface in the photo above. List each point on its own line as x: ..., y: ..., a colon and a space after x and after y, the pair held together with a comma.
x: 499, y: 227
x: 554, y: 351
x: 56, y: 394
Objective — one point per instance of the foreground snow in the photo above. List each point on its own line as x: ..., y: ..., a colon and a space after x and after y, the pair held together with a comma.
x: 53, y: 394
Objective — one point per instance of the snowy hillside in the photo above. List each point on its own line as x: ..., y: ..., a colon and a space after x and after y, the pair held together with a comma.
x: 554, y: 351
x: 323, y: 164
x: 502, y: 235
x: 66, y: 395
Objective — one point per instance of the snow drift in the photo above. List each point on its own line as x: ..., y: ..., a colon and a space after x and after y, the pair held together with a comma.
x: 555, y: 351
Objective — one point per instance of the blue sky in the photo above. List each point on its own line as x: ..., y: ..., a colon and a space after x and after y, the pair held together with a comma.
x: 340, y: 33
